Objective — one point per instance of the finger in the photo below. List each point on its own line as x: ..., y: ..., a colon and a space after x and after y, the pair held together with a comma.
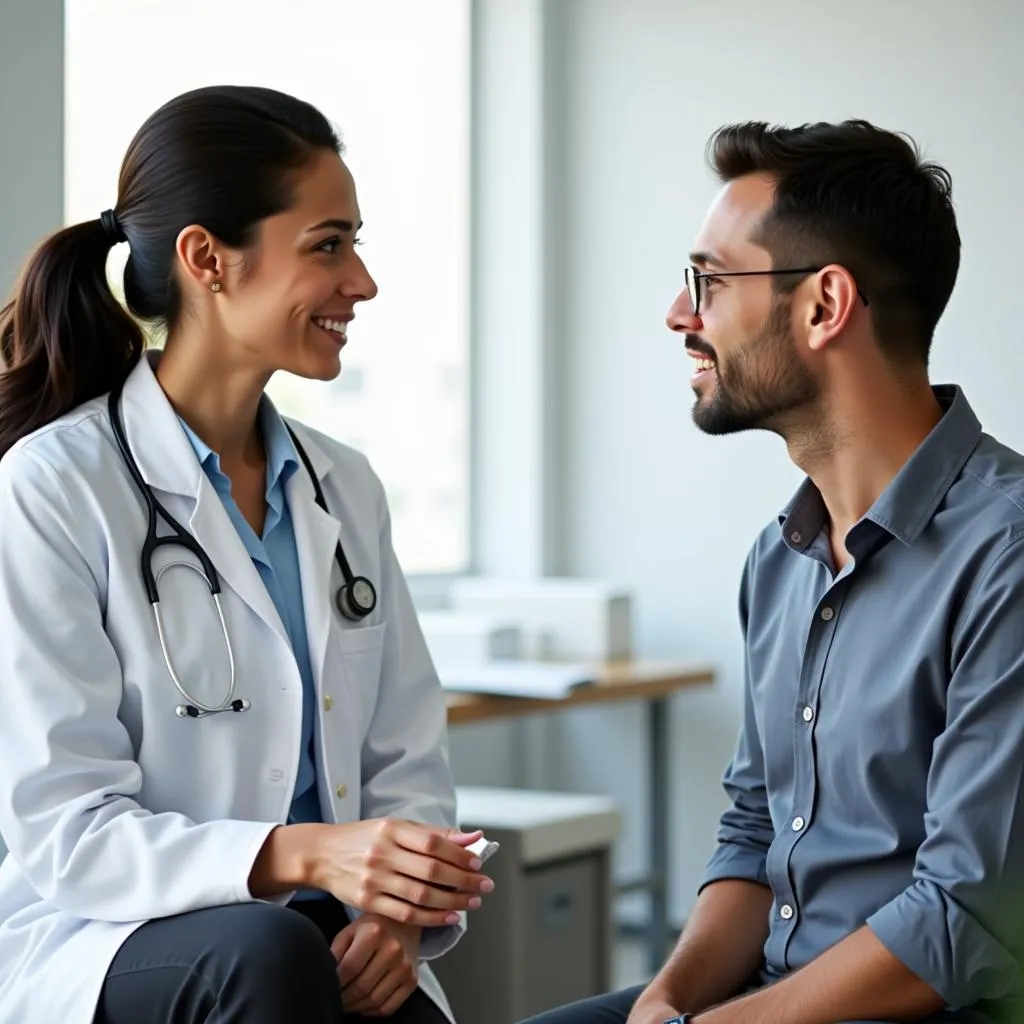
x: 446, y: 844
x: 439, y: 874
x: 405, y: 913
x: 394, y: 981
x: 360, y: 953
x: 342, y: 941
x: 395, y: 1001
x: 387, y: 955
x: 461, y: 838
x: 421, y: 894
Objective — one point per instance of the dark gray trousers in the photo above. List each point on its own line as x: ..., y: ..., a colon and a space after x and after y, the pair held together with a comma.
x: 251, y: 963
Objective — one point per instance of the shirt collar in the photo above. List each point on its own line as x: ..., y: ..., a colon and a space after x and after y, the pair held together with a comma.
x: 282, y: 458
x: 907, y: 505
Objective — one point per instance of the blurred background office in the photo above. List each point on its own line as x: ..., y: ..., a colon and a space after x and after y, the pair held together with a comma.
x: 531, y: 174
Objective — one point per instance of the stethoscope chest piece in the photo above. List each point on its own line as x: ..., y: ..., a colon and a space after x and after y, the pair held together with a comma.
x: 356, y: 599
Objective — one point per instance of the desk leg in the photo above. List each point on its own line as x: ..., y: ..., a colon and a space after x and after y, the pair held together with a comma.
x: 658, y: 766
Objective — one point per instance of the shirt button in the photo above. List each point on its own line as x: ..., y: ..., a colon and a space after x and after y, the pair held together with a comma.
x: 808, y: 713
x: 798, y: 823
x: 328, y: 702
x: 827, y: 613
x: 796, y: 536
x: 342, y: 790
x: 785, y: 912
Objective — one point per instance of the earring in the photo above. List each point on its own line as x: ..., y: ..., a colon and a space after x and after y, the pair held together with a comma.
x: 215, y: 287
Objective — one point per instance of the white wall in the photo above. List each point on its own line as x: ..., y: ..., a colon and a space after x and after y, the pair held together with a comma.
x: 31, y: 130
x: 648, y: 499
x: 31, y: 127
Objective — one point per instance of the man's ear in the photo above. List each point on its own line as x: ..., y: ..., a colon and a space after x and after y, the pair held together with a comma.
x: 829, y: 305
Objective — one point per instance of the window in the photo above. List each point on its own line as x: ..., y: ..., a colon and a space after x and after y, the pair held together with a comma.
x: 394, y: 78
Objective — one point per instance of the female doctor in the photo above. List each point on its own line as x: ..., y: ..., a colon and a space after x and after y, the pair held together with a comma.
x: 223, y: 770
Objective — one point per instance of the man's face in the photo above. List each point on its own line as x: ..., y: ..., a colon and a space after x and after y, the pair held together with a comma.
x: 749, y: 374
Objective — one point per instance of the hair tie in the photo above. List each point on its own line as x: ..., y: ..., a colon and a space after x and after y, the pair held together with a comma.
x: 111, y: 225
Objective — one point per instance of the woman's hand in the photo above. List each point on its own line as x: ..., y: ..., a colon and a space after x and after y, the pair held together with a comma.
x: 413, y: 873
x: 378, y: 964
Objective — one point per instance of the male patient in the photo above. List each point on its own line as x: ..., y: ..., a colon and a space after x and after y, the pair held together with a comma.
x: 871, y: 864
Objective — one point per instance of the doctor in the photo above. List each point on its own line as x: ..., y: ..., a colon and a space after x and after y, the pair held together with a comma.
x: 223, y: 770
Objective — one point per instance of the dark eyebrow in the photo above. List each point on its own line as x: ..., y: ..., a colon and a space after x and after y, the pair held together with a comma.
x: 706, y: 259
x: 344, y: 226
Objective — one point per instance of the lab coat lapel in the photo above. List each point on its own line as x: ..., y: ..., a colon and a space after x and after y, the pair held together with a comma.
x: 211, y: 525
x: 169, y: 466
x: 316, y: 536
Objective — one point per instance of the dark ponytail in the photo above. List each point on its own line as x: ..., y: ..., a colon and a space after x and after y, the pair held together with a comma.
x: 225, y: 157
x: 64, y: 337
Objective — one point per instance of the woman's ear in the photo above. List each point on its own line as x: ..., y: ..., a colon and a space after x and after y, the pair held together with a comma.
x: 201, y: 257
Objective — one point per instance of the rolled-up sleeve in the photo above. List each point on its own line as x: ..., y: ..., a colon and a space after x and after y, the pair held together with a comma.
x: 960, y: 924
x: 745, y: 830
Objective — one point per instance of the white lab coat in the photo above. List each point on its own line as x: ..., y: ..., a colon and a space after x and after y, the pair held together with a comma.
x: 116, y: 811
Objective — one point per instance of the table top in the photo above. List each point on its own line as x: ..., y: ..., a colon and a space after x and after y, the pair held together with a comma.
x: 616, y: 681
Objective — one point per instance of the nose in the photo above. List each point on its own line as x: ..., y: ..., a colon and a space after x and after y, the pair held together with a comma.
x: 681, y: 317
x: 358, y: 285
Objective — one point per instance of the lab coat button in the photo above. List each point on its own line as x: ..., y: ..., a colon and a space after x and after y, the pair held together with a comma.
x: 328, y: 702
x: 342, y: 790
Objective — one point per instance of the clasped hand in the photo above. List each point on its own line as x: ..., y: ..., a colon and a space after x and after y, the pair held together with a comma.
x: 378, y: 964
x: 412, y: 873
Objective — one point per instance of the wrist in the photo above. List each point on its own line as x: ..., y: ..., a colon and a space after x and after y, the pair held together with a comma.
x: 289, y: 859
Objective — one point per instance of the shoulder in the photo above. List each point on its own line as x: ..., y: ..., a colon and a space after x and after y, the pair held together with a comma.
x: 77, y: 445
x: 338, y: 454
x: 990, y: 489
x: 338, y: 465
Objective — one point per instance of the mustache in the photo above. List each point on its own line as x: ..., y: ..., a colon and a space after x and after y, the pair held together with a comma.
x: 697, y: 344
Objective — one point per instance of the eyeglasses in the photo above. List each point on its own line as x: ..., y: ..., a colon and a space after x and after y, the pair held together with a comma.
x: 694, y: 277
x: 694, y: 289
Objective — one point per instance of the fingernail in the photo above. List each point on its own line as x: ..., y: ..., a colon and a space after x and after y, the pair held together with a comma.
x: 487, y: 885
x: 476, y: 864
x: 452, y: 919
x: 474, y: 902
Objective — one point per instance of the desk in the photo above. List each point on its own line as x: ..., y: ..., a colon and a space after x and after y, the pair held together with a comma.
x: 654, y: 683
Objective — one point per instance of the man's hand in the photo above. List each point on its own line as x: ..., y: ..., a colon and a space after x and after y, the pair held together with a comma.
x: 378, y: 964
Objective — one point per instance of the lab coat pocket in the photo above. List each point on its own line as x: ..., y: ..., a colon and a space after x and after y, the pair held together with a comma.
x: 360, y: 653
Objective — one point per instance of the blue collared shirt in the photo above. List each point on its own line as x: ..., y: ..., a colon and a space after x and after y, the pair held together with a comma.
x: 879, y: 773
x: 277, y: 560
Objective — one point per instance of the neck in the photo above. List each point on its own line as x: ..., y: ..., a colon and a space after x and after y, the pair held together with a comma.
x: 220, y: 403
x: 863, y: 445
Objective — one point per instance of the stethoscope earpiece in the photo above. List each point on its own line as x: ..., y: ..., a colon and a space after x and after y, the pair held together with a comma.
x: 191, y: 711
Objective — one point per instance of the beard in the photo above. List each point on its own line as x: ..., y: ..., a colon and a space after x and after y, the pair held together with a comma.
x: 759, y: 386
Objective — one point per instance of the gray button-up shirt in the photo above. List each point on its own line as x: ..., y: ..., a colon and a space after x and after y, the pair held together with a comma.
x: 879, y: 773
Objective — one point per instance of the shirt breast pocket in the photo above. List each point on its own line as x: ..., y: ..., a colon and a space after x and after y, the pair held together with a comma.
x: 358, y: 656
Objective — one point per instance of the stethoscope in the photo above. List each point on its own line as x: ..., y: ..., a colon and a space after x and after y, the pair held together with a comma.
x: 356, y: 597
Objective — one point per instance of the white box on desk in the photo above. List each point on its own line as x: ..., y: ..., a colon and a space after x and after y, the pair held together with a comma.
x: 457, y: 638
x: 562, y: 618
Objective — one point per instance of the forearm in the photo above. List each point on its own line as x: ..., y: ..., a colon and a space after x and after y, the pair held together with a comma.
x: 857, y: 979
x: 720, y: 949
